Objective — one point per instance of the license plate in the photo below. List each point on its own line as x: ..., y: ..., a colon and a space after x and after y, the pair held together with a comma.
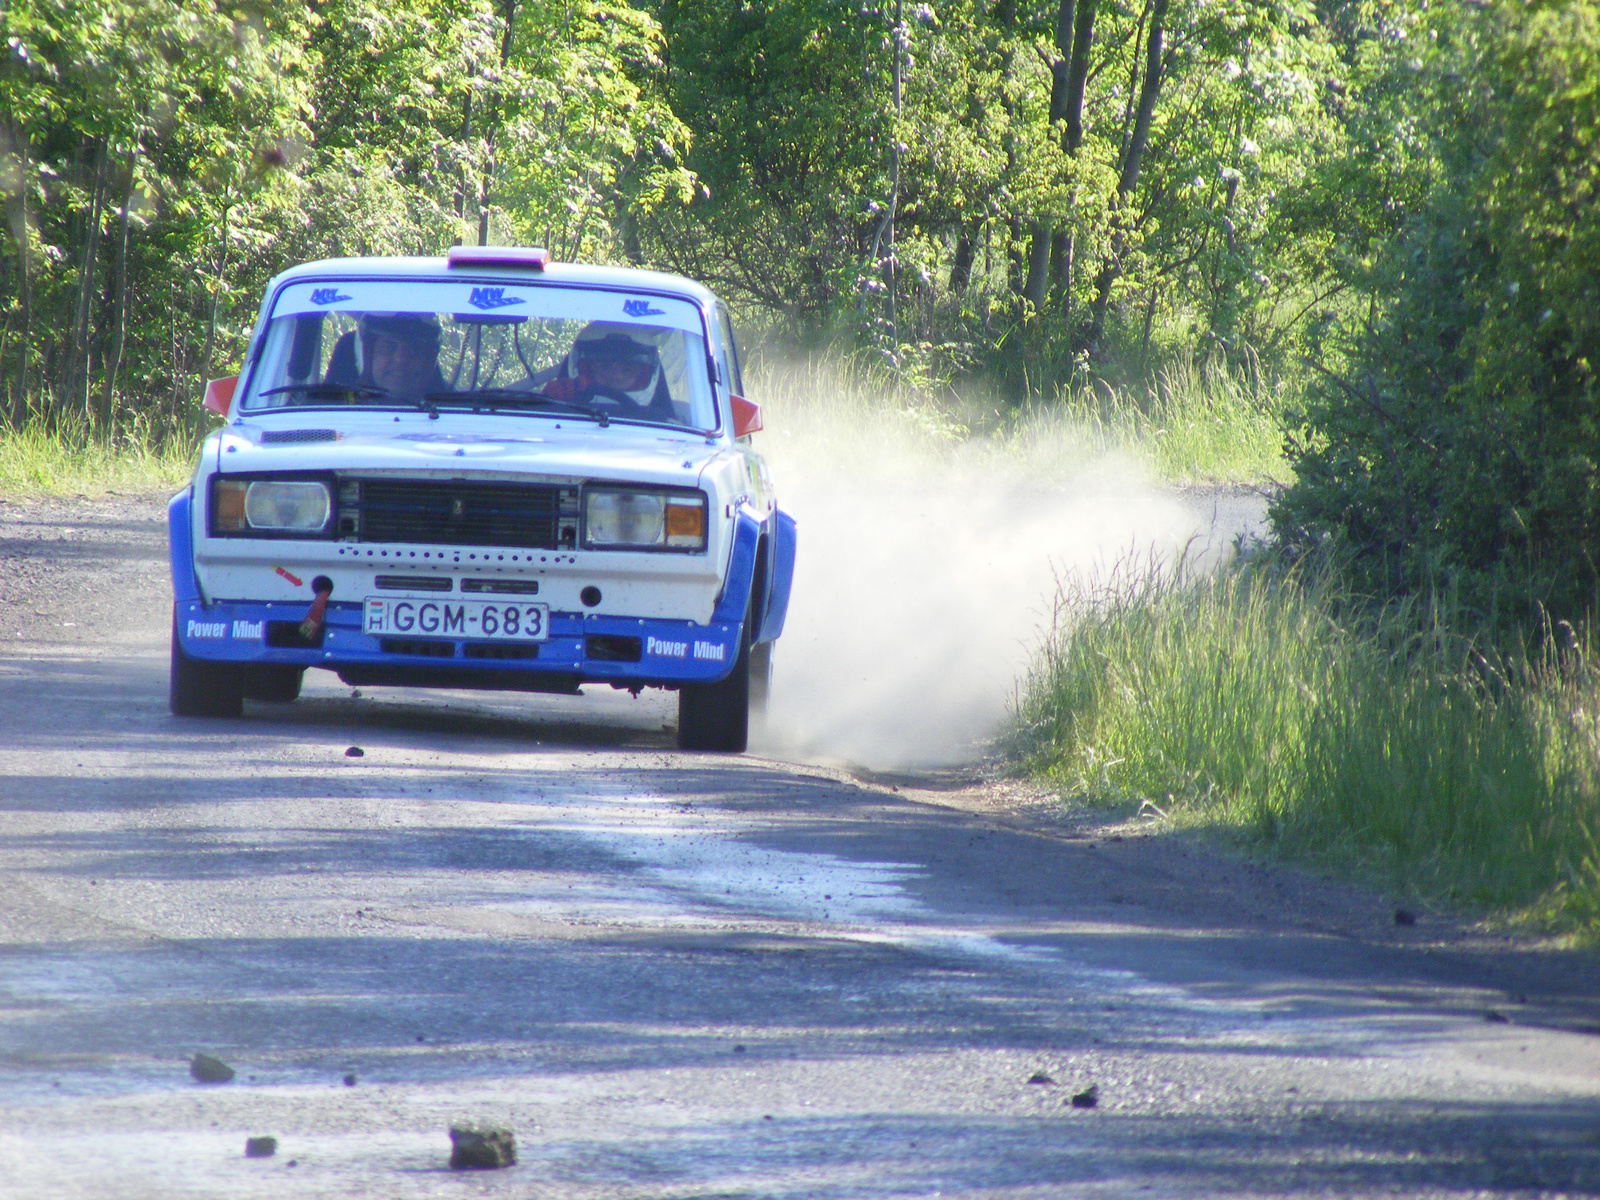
x: 491, y: 620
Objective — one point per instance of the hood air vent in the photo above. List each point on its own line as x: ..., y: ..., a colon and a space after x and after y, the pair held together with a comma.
x: 286, y: 437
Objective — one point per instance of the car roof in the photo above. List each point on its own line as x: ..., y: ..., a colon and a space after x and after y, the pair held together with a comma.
x: 629, y: 278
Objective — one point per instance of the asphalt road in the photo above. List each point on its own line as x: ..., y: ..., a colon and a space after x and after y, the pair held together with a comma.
x: 683, y: 976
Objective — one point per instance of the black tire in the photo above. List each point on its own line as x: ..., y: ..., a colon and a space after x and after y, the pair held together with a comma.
x: 760, y: 677
x: 274, y: 683
x: 203, y: 689
x: 716, y: 716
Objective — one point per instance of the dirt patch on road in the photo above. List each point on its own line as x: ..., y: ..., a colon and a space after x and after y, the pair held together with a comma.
x: 83, y: 575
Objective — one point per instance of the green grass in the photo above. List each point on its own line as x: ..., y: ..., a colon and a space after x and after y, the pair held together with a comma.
x: 1197, y: 425
x: 71, y: 457
x: 1277, y: 709
x: 1194, y: 426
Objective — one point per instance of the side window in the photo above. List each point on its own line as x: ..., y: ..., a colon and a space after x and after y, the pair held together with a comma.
x: 730, y: 352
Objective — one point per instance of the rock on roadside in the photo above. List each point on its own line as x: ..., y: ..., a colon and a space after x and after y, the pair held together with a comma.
x: 206, y: 1069
x: 481, y: 1147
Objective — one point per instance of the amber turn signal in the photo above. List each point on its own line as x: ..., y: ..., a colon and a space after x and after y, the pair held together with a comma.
x: 227, y: 496
x: 686, y: 523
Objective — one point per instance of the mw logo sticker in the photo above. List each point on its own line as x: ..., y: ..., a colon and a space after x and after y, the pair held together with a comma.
x: 327, y: 296
x: 642, y: 308
x: 487, y: 298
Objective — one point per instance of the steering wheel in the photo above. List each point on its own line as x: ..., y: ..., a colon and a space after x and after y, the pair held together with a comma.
x: 594, y: 394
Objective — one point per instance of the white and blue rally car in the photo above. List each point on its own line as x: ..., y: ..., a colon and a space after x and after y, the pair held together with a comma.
x: 483, y: 471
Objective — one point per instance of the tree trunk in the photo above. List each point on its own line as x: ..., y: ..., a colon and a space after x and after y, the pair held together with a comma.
x: 216, y: 294
x: 22, y: 231
x: 1050, y: 255
x: 483, y: 200
x: 961, y: 266
x: 508, y: 16
x: 1062, y: 247
x: 119, y: 320
x: 77, y: 374
x: 1038, y: 280
x: 1078, y: 74
x: 1132, y: 160
x: 461, y: 183
x: 1005, y: 19
x: 628, y: 227
x: 1038, y: 265
x: 1148, y: 93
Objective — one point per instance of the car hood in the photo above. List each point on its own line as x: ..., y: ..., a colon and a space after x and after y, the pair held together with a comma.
x: 455, y: 446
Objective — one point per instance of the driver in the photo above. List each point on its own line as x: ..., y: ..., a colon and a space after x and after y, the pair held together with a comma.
x: 401, y: 352
x: 616, y: 363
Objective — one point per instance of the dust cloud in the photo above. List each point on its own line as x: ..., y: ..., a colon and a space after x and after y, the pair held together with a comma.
x: 927, y: 566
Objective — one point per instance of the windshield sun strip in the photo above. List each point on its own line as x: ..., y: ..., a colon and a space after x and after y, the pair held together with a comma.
x: 259, y: 339
x: 485, y: 410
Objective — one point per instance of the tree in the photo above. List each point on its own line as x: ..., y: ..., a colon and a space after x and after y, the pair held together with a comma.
x: 1458, y: 448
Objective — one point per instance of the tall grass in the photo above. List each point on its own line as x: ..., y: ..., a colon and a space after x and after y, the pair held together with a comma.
x: 71, y: 455
x: 1194, y: 424
x: 1278, y: 708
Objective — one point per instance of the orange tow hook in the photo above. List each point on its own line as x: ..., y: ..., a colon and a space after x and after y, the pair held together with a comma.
x: 311, y: 627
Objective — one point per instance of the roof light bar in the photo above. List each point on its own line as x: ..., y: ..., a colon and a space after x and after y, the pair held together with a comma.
x: 499, y: 256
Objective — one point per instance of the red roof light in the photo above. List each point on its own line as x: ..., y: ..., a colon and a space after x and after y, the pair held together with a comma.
x: 499, y: 256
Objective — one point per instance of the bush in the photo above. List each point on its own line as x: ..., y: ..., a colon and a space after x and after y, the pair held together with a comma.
x: 1457, y: 448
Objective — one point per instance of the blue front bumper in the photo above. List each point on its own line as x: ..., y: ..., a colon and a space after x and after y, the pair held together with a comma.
x: 669, y: 652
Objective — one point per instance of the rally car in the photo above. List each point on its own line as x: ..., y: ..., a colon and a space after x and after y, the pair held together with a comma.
x: 488, y: 470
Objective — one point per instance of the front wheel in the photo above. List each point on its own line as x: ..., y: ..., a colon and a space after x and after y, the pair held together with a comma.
x: 760, y: 677
x: 203, y: 689
x: 716, y: 716
x: 273, y: 683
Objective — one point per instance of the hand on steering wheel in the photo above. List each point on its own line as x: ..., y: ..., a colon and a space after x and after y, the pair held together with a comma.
x: 594, y: 393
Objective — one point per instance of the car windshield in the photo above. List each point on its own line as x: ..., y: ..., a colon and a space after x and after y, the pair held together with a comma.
x: 529, y: 348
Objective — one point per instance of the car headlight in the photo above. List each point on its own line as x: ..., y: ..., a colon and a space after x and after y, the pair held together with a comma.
x: 271, y: 506
x: 642, y: 518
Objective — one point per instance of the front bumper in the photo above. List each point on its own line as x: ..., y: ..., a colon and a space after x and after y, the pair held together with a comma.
x: 581, y: 648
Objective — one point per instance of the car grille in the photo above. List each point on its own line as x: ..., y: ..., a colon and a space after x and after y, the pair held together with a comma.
x: 458, y: 513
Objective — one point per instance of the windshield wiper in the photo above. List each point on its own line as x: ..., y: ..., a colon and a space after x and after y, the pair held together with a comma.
x: 492, y: 398
x: 330, y: 390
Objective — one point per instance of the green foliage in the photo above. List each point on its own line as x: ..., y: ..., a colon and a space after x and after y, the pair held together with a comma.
x: 887, y: 172
x: 788, y: 132
x: 1455, y: 448
x: 1278, y: 707
x: 161, y: 159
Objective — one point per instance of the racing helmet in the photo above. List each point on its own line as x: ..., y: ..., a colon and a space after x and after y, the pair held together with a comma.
x: 621, y: 352
x: 419, y: 331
